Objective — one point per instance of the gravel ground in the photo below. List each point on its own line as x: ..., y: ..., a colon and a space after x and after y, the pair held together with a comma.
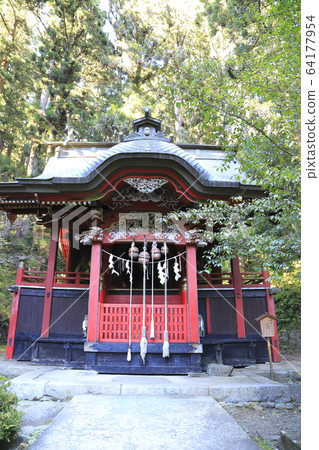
x: 266, y: 422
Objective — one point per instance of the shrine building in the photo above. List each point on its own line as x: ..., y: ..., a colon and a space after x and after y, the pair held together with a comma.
x: 129, y: 295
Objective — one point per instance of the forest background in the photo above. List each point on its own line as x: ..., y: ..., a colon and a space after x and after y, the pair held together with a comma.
x: 214, y: 71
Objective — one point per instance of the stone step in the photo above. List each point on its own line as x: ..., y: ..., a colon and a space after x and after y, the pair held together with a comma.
x: 62, y: 384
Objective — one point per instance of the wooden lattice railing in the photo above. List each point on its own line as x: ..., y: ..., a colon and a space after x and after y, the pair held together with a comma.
x: 34, y: 277
x: 80, y: 279
x: 215, y: 279
x: 225, y: 279
x: 66, y: 279
x: 71, y: 278
x: 248, y: 278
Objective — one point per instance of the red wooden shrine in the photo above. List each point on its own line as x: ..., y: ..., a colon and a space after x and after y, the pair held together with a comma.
x: 97, y: 198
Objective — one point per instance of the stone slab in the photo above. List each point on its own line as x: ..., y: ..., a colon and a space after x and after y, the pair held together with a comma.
x: 91, y: 422
x: 253, y: 389
x: 219, y: 370
x: 63, y: 384
x: 39, y: 413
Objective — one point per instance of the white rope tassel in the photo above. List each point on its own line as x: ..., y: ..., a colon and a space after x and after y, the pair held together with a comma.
x: 165, y: 345
x: 152, y: 329
x: 129, y: 355
x: 143, y: 343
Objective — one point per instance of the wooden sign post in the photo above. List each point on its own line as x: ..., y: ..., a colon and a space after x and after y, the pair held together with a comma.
x: 267, y: 325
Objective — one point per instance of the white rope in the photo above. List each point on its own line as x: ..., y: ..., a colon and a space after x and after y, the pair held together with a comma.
x: 118, y: 258
x: 129, y: 354
x: 143, y: 342
x: 166, y: 342
x: 152, y: 330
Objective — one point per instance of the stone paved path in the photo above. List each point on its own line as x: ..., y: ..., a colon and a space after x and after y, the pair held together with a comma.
x: 93, y: 422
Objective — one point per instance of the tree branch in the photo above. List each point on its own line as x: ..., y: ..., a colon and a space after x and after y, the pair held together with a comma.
x: 250, y: 124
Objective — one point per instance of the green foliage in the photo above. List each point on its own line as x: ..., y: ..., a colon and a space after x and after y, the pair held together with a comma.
x: 30, y: 440
x: 288, y: 301
x: 262, y: 443
x: 213, y: 71
x: 248, y: 94
x: 257, y: 231
x: 288, y: 308
x: 10, y: 418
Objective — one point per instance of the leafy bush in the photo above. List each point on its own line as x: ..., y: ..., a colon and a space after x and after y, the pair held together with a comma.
x: 10, y: 418
x: 288, y: 307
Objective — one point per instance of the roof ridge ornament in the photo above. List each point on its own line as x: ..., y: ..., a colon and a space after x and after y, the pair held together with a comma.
x: 147, y: 111
x: 147, y: 127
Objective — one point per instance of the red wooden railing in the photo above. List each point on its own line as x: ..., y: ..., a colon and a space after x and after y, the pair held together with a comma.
x: 71, y: 278
x: 65, y: 279
x: 215, y: 279
x: 34, y: 277
x: 114, y: 323
x: 252, y: 278
x: 78, y: 279
x: 225, y: 279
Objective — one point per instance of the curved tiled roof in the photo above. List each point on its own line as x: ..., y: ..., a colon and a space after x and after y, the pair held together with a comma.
x: 92, y: 168
x: 75, y: 163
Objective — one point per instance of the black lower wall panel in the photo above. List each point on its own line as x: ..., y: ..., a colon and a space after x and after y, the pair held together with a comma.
x: 22, y: 350
x: 237, y: 354
x: 155, y: 364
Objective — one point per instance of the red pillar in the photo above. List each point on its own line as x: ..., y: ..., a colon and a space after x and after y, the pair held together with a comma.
x: 241, y: 332
x: 94, y: 295
x: 271, y: 310
x: 192, y: 298
x: 14, y: 313
x: 49, y: 280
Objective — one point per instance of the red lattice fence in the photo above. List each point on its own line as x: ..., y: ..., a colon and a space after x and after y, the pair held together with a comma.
x: 114, y: 323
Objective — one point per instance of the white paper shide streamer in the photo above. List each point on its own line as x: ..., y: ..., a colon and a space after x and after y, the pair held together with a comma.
x: 111, y: 265
x: 177, y: 269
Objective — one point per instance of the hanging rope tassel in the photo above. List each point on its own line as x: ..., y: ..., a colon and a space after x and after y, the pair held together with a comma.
x: 152, y: 330
x: 165, y: 345
x: 143, y: 343
x: 166, y: 342
x: 129, y: 354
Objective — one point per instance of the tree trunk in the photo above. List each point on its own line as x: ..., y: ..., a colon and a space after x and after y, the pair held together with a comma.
x: 33, y: 160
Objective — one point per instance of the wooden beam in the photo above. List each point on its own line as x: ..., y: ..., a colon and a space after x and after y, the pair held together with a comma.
x: 14, y: 313
x: 271, y: 310
x: 241, y: 332
x: 94, y: 295
x: 192, y: 296
x: 49, y: 280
